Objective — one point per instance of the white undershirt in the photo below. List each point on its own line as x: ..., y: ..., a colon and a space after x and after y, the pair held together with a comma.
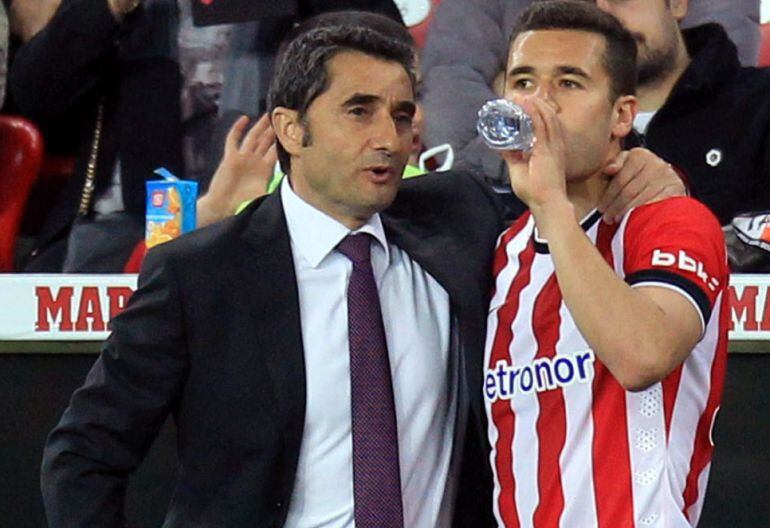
x: 415, y: 310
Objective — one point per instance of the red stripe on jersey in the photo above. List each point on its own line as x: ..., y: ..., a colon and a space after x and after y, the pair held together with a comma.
x: 552, y: 419
x: 670, y: 387
x: 611, y: 459
x: 703, y: 449
x: 501, y: 409
x: 501, y: 257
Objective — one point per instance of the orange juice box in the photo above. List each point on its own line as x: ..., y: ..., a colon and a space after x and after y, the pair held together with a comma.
x: 170, y: 208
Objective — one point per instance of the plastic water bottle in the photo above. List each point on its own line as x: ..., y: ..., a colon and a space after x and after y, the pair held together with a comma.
x: 505, y: 126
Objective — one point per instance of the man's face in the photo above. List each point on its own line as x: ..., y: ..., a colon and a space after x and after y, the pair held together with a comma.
x: 358, y: 138
x: 654, y: 26
x: 564, y: 68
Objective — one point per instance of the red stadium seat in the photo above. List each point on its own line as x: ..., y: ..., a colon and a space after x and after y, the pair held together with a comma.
x: 21, y: 155
x: 764, y: 46
x: 134, y: 263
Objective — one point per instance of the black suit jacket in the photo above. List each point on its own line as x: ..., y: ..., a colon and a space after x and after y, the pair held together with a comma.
x: 213, y: 336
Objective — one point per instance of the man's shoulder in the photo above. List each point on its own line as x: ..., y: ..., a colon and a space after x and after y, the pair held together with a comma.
x: 221, y: 240
x: 447, y: 200
x: 677, y: 209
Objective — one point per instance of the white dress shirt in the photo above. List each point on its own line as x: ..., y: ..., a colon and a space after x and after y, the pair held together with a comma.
x: 415, y: 312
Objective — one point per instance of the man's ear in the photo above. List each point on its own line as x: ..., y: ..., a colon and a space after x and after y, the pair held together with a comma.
x: 288, y: 129
x: 624, y: 113
x: 678, y: 9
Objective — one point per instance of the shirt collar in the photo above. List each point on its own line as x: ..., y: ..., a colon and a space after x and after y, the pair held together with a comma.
x: 314, y: 234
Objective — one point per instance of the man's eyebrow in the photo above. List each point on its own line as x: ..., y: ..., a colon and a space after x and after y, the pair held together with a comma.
x: 562, y: 70
x: 365, y: 99
x: 360, y: 99
x: 518, y: 70
x: 573, y: 70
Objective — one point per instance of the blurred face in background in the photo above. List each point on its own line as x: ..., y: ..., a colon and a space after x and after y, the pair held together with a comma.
x: 654, y: 25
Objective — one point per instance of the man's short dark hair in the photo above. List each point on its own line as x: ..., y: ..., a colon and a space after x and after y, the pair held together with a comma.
x: 620, y: 53
x: 301, y: 74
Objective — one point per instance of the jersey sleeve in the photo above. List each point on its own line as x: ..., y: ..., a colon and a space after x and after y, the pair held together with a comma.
x: 677, y: 244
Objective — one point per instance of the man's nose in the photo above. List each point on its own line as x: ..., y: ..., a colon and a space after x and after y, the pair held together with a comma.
x: 385, y: 135
x: 544, y: 92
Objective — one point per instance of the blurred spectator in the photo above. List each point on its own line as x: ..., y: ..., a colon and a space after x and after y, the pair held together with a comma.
x: 109, y: 70
x: 699, y: 109
x: 3, y: 51
x: 244, y: 172
x: 466, y: 51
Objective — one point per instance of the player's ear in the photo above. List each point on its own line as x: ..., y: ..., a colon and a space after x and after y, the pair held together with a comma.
x: 624, y: 112
x: 289, y: 129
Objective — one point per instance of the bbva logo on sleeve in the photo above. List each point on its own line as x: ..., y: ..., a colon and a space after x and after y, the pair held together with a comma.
x: 684, y: 262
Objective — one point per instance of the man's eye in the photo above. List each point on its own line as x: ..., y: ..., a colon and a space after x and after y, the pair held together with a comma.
x: 403, y: 119
x: 358, y: 111
x: 522, y: 84
x: 567, y: 83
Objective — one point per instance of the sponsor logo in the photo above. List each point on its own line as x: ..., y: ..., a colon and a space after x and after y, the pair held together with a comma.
x: 684, y: 262
x: 506, y: 381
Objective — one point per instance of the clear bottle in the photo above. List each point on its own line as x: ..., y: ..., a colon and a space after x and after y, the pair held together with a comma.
x: 504, y: 125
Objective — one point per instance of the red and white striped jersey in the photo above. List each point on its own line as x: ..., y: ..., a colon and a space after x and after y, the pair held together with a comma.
x: 570, y: 447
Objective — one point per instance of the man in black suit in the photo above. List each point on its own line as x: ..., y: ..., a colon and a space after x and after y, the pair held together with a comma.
x: 240, y: 330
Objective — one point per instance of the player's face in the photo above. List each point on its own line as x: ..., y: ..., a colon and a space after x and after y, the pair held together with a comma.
x: 564, y: 67
x: 654, y: 25
x: 358, y: 138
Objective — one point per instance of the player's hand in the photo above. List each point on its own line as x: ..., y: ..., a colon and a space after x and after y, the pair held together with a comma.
x: 538, y: 177
x: 243, y: 173
x: 637, y: 177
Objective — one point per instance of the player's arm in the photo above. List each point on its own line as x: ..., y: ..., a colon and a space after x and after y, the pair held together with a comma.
x: 639, y: 334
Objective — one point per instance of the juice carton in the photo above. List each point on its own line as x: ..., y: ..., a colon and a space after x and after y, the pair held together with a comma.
x: 170, y: 208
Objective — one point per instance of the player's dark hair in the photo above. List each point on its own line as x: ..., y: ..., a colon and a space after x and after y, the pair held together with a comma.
x: 620, y: 52
x: 301, y: 72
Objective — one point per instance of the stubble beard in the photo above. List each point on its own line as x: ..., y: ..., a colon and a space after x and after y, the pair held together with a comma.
x: 655, y: 64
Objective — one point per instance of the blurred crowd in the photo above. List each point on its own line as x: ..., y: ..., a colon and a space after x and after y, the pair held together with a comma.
x: 119, y: 88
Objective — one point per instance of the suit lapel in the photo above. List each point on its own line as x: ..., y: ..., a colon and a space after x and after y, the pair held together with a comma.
x: 269, y: 268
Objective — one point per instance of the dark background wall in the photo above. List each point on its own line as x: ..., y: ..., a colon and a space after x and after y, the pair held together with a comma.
x: 35, y: 388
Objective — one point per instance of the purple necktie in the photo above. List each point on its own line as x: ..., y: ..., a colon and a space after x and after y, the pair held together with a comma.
x: 376, y: 477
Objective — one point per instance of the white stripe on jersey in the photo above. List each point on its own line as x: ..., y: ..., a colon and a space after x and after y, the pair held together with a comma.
x: 618, y: 246
x: 646, y: 426
x: 526, y: 410
x: 577, y: 482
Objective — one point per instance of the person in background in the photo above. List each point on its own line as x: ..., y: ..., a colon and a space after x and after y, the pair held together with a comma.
x: 141, y: 89
x: 699, y: 109
x: 607, y: 343
x: 466, y: 52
